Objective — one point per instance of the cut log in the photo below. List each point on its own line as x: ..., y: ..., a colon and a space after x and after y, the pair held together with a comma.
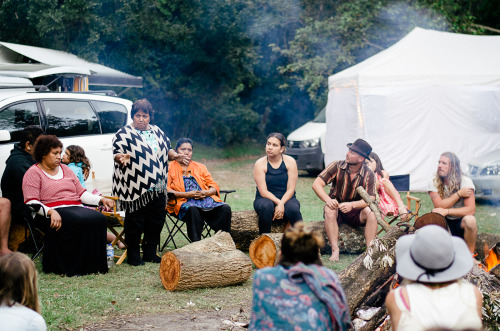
x: 370, y: 270
x: 219, y: 242
x: 373, y: 206
x: 351, y: 239
x: 245, y: 228
x: 264, y: 250
x: 183, y: 270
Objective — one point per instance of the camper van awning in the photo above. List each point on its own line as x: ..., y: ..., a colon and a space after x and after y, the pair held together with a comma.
x: 33, y: 56
x: 28, y: 70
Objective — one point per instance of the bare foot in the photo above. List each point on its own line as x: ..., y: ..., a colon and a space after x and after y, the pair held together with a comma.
x: 335, y: 255
x: 121, y: 245
x: 5, y: 251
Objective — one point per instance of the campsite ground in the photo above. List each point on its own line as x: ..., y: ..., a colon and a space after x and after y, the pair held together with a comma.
x: 133, y: 297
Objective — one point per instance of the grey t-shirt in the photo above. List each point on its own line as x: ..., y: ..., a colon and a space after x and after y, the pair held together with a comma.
x: 466, y: 182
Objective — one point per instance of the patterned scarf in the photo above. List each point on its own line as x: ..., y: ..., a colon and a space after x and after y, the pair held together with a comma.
x: 327, y: 288
x: 146, y: 174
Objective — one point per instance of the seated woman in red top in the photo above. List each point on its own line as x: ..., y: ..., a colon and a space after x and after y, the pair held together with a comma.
x: 197, y: 194
x: 75, y: 240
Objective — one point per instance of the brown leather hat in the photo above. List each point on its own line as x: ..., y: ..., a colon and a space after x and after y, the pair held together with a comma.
x: 361, y: 147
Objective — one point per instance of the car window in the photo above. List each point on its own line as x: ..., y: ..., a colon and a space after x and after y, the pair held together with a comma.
x: 113, y: 116
x: 70, y: 118
x: 15, y: 117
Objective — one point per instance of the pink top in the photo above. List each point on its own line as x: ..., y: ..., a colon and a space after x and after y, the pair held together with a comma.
x: 386, y: 204
x: 52, y: 192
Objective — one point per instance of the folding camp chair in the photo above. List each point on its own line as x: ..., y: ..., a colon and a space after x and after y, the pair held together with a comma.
x: 36, y: 234
x: 175, y: 226
x: 115, y: 219
x: 402, y: 184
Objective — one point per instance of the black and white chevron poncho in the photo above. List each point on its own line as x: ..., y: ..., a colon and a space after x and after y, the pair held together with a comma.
x: 132, y: 183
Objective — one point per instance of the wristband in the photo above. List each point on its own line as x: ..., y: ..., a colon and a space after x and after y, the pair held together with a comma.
x: 459, y: 195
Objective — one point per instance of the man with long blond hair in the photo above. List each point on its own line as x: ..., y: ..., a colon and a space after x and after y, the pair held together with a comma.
x: 452, y: 194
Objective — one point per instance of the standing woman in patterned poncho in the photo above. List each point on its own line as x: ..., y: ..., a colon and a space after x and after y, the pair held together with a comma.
x: 140, y: 152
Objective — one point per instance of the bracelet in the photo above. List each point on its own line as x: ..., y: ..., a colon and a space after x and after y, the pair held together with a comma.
x: 352, y: 205
x: 459, y: 195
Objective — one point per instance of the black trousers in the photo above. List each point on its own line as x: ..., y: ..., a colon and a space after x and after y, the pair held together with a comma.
x: 148, y: 220
x: 218, y: 218
x: 265, y: 209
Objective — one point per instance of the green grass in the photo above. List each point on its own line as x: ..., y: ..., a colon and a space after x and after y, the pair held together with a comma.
x: 71, y: 302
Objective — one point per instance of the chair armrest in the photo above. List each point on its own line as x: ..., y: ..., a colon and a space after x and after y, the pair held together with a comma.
x: 226, y: 192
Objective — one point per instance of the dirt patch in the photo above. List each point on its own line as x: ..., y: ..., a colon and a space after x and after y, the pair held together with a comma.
x: 224, y: 319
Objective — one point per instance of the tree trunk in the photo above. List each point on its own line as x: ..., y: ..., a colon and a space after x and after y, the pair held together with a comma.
x: 264, y: 250
x: 184, y: 270
x: 245, y: 228
x: 219, y: 242
x: 370, y: 270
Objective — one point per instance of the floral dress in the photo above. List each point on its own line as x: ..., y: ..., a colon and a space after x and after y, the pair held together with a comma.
x: 191, y: 184
x: 301, y: 297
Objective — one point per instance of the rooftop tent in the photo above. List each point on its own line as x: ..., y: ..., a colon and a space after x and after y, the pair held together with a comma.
x: 429, y: 93
x: 15, y: 54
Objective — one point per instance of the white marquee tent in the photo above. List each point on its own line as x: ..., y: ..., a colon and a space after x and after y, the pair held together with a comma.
x: 429, y: 93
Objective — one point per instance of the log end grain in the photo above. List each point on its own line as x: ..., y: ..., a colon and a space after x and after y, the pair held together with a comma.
x: 170, y: 271
x: 263, y: 251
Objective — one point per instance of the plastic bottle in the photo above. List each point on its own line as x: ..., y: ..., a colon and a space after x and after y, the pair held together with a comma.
x: 110, y: 256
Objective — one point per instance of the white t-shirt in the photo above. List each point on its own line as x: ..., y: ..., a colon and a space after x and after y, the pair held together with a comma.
x: 466, y: 182
x: 452, y: 306
x: 20, y: 318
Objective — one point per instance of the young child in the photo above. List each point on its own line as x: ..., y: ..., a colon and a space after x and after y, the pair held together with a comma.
x: 74, y: 157
x: 19, y: 304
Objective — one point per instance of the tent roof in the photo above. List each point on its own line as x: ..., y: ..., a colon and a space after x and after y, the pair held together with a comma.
x: 428, y: 57
x: 99, y: 75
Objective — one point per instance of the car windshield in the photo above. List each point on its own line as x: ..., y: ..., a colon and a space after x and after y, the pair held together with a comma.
x: 321, y: 117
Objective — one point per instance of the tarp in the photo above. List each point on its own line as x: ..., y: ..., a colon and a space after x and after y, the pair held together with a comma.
x: 429, y: 93
x: 99, y: 75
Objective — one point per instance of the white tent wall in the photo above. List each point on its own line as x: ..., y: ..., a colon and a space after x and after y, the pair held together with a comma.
x: 409, y: 126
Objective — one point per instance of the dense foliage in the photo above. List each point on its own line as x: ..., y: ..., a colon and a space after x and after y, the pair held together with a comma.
x: 224, y: 71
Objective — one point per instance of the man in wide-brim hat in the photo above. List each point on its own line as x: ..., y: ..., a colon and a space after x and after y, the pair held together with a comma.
x: 343, y: 203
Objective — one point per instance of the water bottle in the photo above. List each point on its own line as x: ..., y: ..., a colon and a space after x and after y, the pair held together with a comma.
x: 110, y: 256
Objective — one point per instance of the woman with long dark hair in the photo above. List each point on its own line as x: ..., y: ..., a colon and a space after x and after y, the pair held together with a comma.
x: 276, y: 176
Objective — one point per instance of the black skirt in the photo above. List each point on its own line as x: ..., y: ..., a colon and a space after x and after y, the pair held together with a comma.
x: 79, y: 246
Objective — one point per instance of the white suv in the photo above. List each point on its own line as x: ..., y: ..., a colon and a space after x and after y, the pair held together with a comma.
x: 84, y: 119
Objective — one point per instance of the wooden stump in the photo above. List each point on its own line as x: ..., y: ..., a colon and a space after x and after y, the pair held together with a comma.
x: 218, y: 243
x: 245, y: 228
x: 183, y: 270
x: 264, y: 250
x: 351, y: 239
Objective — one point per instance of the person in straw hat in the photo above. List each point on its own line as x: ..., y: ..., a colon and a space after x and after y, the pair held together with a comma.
x: 436, y: 298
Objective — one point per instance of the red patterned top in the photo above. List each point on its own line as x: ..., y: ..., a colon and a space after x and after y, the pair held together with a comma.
x: 52, y: 192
